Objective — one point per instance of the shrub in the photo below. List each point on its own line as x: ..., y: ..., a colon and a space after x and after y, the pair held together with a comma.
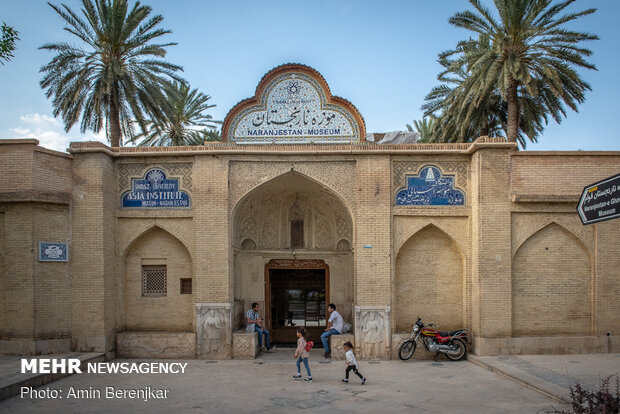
x: 601, y: 401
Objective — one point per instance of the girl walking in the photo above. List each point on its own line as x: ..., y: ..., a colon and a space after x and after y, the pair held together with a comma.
x: 302, y: 355
x: 351, y: 363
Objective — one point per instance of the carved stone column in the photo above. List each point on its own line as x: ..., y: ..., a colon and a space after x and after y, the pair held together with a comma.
x: 372, y: 332
x: 213, y: 330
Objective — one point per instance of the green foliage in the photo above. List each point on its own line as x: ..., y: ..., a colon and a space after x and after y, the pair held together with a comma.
x: 212, y: 135
x: 182, y: 119
x: 517, y: 72
x: 426, y: 128
x: 115, y: 80
x: 9, y: 38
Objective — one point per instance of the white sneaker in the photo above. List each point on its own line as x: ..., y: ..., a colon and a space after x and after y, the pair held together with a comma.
x: 297, y: 376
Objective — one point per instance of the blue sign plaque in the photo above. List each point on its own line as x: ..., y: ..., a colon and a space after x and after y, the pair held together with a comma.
x: 53, y: 252
x: 430, y: 188
x: 155, y: 191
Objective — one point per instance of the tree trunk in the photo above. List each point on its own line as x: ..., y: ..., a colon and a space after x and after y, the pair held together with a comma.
x: 115, y: 124
x: 513, y: 111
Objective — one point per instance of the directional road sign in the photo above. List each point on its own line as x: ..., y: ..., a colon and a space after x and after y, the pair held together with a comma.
x: 600, y: 201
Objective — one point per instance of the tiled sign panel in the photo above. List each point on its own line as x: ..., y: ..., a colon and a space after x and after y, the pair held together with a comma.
x: 155, y: 190
x: 430, y: 188
x: 294, y: 109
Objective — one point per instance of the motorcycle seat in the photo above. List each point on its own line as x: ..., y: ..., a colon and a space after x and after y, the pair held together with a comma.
x: 449, y: 333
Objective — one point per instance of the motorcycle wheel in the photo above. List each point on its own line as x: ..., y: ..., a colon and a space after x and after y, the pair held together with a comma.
x: 406, y: 350
x: 459, y: 350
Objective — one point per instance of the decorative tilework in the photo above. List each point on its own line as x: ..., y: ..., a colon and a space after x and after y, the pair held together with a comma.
x: 456, y: 168
x: 53, y: 252
x: 128, y: 171
x: 293, y: 109
x: 430, y: 187
x: 155, y: 190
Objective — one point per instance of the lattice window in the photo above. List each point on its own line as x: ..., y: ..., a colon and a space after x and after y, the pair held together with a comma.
x: 186, y: 286
x: 154, y: 280
x: 297, y: 234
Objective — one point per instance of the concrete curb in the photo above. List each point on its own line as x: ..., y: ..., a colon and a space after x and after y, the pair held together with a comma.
x: 530, y: 381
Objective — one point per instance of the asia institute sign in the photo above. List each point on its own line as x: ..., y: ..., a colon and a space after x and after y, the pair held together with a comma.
x: 293, y: 105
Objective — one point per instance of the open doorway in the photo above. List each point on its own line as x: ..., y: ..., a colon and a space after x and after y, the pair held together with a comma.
x: 296, y: 297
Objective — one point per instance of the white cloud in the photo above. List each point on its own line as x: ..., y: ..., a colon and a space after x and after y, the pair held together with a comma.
x: 50, y: 132
x: 39, y: 119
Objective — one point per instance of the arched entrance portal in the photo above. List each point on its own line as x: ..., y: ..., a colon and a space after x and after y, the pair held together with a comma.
x: 292, y: 241
x: 296, y: 295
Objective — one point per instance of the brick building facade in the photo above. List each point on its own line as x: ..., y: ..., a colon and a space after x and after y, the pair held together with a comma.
x: 492, y: 243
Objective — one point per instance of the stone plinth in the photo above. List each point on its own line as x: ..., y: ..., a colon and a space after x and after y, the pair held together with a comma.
x: 245, y: 345
x: 372, y: 331
x: 156, y: 345
x: 336, y: 342
x: 213, y: 330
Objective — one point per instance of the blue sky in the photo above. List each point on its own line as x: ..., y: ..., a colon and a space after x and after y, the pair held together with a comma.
x: 381, y: 56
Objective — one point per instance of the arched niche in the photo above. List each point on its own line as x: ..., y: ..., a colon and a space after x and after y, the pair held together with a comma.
x: 552, y: 285
x: 139, y: 229
x: 291, y: 216
x: 157, y: 250
x: 268, y: 213
x: 429, y: 281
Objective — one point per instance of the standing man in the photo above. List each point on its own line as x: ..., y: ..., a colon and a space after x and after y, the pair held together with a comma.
x: 255, y: 324
x: 334, y: 327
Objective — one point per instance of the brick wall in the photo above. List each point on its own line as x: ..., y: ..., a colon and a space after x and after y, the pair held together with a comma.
x: 499, y: 240
x: 51, y: 280
x: 93, y: 264
x: 373, y: 228
x: 491, y: 267
x: 560, y: 173
x: 34, y: 188
x: 552, y: 285
x: 213, y: 255
x: 429, y: 281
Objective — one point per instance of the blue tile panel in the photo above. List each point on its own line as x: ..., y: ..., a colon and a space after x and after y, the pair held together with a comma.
x: 155, y: 191
x: 430, y: 188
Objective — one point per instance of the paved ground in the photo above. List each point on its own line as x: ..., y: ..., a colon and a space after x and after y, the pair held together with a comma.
x: 554, y: 374
x: 265, y: 385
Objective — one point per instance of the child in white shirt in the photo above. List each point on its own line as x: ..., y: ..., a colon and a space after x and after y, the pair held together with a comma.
x: 351, y: 363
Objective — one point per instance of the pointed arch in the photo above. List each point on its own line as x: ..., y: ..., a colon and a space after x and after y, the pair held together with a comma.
x: 439, y: 227
x: 316, y: 181
x: 169, y: 262
x: 552, y: 276
x: 429, y: 280
x: 292, y: 195
x: 547, y: 224
x: 152, y: 227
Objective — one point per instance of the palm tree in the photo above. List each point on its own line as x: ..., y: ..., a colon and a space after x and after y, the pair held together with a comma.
x: 117, y: 78
x: 531, y: 55
x: 182, y: 116
x: 426, y: 128
x: 9, y: 37
x: 212, y: 135
x: 456, y: 117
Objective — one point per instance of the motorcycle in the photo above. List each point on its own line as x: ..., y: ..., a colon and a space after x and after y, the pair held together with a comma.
x: 451, y: 343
